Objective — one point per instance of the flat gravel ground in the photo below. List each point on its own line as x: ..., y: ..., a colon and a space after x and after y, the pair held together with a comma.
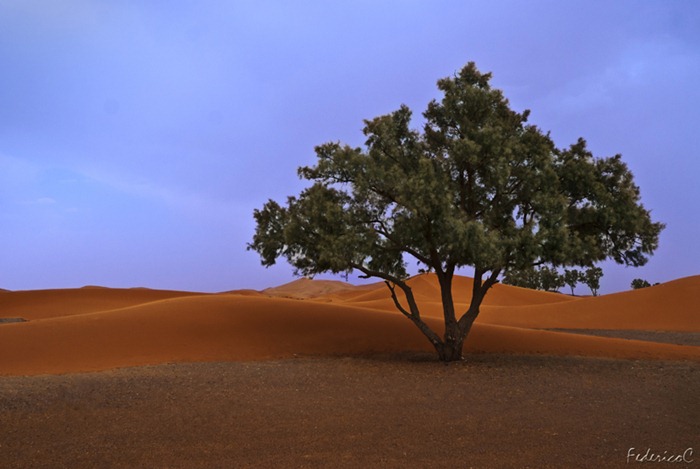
x: 667, y: 337
x: 405, y: 411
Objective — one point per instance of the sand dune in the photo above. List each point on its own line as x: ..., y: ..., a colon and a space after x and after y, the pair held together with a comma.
x: 98, y: 328
x: 308, y: 288
x: 673, y: 306
x: 43, y: 304
x: 427, y: 293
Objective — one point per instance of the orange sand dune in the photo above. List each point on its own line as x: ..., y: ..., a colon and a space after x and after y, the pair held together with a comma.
x: 201, y: 328
x: 426, y: 289
x: 41, y: 304
x: 672, y: 306
x: 308, y: 288
x: 68, y: 332
x: 244, y: 292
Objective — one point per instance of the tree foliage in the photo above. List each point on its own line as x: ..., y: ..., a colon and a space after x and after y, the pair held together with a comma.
x: 571, y: 278
x: 638, y: 283
x: 525, y: 278
x: 591, y: 277
x: 550, y: 279
x: 476, y: 186
x: 543, y: 278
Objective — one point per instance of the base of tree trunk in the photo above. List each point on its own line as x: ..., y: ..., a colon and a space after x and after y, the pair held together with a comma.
x: 450, y: 353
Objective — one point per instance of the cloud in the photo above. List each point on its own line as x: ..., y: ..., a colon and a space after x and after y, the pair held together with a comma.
x: 17, y: 170
x: 179, y: 200
x: 55, y: 14
x: 45, y: 201
x: 639, y: 65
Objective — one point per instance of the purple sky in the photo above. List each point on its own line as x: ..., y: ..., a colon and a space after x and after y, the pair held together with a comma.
x: 136, y: 138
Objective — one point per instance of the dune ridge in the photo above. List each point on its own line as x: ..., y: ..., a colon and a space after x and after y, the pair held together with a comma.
x: 44, y: 304
x: 304, y: 287
x: 100, y: 328
x: 672, y: 306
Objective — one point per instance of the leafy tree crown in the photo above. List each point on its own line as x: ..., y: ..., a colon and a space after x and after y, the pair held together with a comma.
x: 476, y: 186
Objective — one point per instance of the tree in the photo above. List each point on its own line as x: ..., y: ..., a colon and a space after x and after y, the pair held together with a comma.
x: 526, y: 278
x: 638, y: 283
x: 478, y: 186
x: 545, y: 278
x: 571, y: 278
x: 591, y: 277
x: 550, y: 279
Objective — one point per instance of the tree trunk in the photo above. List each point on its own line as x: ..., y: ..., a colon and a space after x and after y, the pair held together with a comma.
x: 451, y: 349
x: 456, y: 332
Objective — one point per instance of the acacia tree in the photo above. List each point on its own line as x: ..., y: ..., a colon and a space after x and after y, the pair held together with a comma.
x: 550, y: 279
x: 545, y: 278
x: 478, y: 186
x: 527, y: 278
x: 638, y: 283
x: 591, y: 277
x: 571, y: 278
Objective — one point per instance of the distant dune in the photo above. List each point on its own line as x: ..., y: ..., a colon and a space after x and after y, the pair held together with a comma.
x: 100, y: 328
x: 307, y: 288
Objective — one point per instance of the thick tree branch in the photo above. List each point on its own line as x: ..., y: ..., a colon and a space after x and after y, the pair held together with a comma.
x: 414, y: 313
x: 375, y: 273
x: 397, y: 303
x: 413, y: 306
x: 434, y: 255
x: 493, y: 278
x: 479, y: 290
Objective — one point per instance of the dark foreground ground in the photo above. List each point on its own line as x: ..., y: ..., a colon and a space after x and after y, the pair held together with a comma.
x: 402, y: 411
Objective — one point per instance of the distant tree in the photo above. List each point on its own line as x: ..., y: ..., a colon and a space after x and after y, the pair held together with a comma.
x: 478, y: 186
x: 550, y: 279
x: 591, y: 277
x: 638, y: 283
x: 571, y: 278
x: 544, y: 278
x: 525, y: 278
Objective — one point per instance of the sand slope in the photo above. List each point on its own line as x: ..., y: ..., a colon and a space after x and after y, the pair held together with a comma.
x: 673, y: 306
x: 42, y: 304
x: 308, y: 288
x: 97, y: 328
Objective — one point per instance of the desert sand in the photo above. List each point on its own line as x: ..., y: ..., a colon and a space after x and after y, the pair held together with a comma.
x: 91, y: 329
x: 323, y: 373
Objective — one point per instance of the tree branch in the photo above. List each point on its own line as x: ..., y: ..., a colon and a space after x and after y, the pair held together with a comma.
x: 378, y: 274
x: 398, y: 304
x: 413, y: 306
x: 384, y: 232
x: 493, y: 278
x: 414, y: 314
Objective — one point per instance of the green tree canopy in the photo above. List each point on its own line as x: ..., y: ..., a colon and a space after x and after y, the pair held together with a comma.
x: 544, y: 278
x: 525, y: 278
x: 591, y: 277
x: 638, y: 283
x: 571, y: 278
x: 476, y: 186
x: 550, y: 279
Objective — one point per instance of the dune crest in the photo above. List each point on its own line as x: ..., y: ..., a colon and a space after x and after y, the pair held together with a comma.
x: 96, y: 329
x: 44, y: 304
x: 308, y: 288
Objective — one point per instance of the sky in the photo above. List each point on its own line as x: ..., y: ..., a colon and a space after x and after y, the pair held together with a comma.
x: 137, y: 138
